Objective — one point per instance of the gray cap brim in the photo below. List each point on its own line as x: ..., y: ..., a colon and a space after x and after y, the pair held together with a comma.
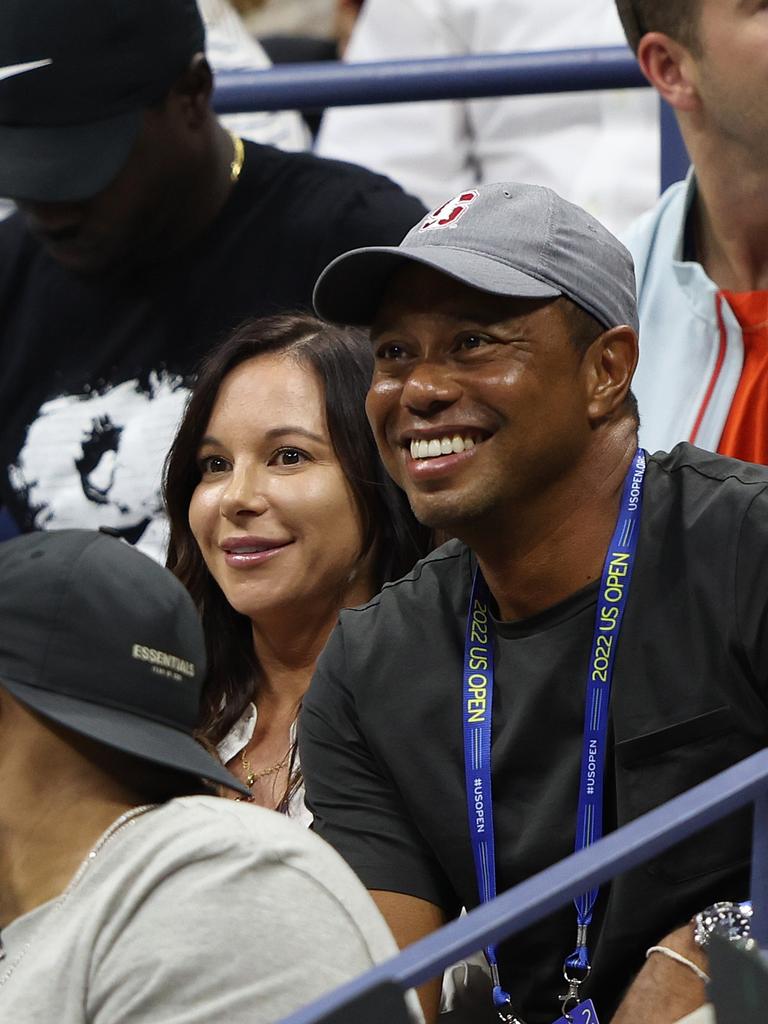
x: 142, y: 737
x: 350, y: 289
x: 64, y: 163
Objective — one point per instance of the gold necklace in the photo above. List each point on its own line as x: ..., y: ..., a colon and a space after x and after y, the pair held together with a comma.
x: 251, y: 776
x: 238, y: 158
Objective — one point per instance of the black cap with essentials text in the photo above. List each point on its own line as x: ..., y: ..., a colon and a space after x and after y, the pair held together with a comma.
x: 101, y: 639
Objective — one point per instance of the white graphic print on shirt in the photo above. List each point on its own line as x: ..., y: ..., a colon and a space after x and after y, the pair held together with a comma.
x: 95, y: 459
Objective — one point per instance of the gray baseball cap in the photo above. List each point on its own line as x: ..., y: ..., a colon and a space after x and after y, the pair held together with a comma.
x: 523, y: 241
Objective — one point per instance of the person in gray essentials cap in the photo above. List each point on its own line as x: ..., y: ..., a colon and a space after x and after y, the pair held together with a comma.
x: 127, y: 895
x: 504, y: 330
x: 145, y: 231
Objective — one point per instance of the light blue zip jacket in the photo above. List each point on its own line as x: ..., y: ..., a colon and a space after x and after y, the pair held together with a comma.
x: 691, y: 345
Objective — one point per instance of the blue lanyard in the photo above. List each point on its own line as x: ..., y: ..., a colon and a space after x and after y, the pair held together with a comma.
x: 477, y: 716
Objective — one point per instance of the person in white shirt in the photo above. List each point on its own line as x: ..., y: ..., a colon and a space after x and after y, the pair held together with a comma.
x: 597, y: 149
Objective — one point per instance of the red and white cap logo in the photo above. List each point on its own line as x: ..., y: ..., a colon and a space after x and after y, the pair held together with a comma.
x: 447, y: 215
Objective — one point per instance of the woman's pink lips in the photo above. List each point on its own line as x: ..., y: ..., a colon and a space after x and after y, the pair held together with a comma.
x: 239, y: 559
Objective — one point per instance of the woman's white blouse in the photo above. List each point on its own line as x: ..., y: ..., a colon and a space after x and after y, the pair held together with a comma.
x: 238, y: 738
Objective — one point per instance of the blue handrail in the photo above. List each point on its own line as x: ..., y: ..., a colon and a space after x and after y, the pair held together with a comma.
x: 540, y: 895
x: 335, y: 84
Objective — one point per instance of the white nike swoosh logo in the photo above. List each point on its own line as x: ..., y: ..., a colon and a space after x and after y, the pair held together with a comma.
x: 20, y: 69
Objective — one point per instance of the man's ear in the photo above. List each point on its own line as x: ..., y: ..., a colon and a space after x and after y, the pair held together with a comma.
x: 612, y: 358
x: 667, y: 65
x: 192, y: 91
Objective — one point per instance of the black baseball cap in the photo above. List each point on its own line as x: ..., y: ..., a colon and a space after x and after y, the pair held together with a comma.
x: 75, y: 76
x: 97, y: 637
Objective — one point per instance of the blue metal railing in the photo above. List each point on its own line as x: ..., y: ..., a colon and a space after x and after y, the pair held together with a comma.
x: 334, y: 84
x: 540, y: 895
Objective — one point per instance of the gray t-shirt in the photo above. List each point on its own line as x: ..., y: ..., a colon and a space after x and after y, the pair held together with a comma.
x: 200, y: 910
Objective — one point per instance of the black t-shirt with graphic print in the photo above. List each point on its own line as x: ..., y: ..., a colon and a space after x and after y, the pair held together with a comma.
x: 381, y: 738
x: 93, y: 370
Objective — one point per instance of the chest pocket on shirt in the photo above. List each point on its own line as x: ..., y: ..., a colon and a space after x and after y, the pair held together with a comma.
x: 659, y: 765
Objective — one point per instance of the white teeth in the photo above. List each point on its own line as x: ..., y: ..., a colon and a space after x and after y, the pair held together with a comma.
x: 440, y: 446
x: 419, y: 449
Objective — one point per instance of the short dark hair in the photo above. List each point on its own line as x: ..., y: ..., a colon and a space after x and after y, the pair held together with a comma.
x: 343, y: 360
x: 582, y: 326
x: 675, y: 18
x: 584, y: 329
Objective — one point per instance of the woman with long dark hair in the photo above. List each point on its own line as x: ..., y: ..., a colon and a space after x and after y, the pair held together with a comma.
x: 280, y: 514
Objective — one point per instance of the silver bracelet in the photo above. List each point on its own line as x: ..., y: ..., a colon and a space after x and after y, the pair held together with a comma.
x: 673, y: 955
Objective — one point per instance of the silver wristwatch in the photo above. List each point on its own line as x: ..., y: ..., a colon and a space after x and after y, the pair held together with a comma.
x: 731, y: 921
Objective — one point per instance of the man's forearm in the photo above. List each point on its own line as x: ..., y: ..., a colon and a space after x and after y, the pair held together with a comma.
x: 665, y: 990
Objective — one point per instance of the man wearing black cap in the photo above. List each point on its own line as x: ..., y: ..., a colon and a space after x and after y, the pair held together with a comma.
x: 577, y: 656
x: 145, y: 233
x: 119, y: 903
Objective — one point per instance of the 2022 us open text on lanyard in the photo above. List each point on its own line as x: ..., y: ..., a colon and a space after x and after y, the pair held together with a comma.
x: 477, y: 706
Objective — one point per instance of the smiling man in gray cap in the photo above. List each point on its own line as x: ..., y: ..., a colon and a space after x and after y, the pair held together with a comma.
x: 127, y: 895
x: 576, y: 657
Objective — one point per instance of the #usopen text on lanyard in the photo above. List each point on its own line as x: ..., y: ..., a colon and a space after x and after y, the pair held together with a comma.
x: 477, y: 707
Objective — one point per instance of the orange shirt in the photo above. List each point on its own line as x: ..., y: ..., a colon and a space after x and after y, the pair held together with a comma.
x: 745, y: 435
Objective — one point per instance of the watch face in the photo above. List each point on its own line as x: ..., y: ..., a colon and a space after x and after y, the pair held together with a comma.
x: 731, y: 921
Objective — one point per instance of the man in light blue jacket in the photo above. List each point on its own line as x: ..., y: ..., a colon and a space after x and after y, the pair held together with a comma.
x: 702, y: 254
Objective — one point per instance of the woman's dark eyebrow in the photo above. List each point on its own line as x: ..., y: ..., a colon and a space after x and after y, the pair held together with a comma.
x: 209, y: 439
x: 281, y: 431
